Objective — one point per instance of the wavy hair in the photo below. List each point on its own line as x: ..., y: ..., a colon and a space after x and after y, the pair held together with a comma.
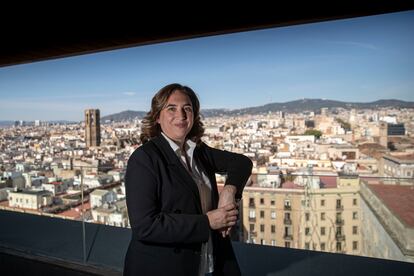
x: 150, y: 128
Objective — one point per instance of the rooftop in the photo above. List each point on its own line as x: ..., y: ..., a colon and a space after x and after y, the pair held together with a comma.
x: 401, y: 158
x: 399, y: 200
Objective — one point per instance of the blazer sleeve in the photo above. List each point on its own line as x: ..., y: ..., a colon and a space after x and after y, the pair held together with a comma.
x: 148, y: 221
x: 238, y: 167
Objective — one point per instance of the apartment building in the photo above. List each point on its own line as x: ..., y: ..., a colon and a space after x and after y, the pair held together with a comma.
x: 324, y: 215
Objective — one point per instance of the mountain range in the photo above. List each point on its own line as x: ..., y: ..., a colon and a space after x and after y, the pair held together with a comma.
x: 301, y: 105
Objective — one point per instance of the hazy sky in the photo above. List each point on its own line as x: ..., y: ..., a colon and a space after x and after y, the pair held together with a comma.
x: 359, y: 59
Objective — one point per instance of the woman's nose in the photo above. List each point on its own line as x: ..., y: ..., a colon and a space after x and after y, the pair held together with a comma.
x: 182, y: 114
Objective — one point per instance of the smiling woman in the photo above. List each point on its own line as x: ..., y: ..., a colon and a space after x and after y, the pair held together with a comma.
x: 176, y: 214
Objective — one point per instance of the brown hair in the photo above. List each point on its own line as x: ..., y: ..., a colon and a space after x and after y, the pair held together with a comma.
x: 150, y: 128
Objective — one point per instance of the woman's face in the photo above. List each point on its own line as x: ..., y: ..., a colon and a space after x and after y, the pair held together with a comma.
x: 176, y: 118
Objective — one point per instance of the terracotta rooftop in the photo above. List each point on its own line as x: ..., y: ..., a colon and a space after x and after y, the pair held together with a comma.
x: 328, y: 182
x: 291, y: 185
x: 399, y: 200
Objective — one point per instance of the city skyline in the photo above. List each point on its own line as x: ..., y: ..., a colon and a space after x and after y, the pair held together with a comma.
x: 356, y: 60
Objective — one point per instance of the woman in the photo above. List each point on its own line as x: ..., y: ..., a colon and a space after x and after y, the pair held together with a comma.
x: 179, y: 223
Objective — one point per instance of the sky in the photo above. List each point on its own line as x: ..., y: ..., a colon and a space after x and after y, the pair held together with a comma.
x: 358, y: 59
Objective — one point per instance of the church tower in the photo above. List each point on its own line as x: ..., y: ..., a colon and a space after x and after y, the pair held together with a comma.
x: 92, y: 128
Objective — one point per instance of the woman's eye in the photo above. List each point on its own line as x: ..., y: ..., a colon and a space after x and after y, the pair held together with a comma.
x: 188, y: 109
x: 171, y: 109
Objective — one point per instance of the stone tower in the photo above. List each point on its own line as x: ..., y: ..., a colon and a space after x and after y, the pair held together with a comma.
x: 92, y: 128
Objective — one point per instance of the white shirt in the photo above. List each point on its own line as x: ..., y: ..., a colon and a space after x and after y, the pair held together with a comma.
x: 204, y: 189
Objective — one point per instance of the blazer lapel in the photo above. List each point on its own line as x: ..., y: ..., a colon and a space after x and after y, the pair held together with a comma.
x: 177, y: 168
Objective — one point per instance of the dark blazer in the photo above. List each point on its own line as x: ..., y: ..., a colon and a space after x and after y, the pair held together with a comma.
x: 168, y: 226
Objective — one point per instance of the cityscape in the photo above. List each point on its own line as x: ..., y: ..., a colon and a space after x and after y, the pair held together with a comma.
x: 324, y: 110
x: 338, y: 180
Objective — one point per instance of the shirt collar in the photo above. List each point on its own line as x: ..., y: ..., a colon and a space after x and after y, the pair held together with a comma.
x: 189, y: 146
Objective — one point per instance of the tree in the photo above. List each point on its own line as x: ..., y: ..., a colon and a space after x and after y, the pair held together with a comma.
x: 314, y: 132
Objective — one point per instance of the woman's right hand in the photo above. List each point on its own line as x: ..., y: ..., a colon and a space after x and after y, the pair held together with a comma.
x: 225, y: 216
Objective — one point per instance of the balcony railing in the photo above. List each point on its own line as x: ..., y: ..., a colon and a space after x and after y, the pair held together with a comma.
x: 46, y: 246
x: 339, y: 222
x: 287, y: 221
x: 340, y: 237
x: 288, y: 237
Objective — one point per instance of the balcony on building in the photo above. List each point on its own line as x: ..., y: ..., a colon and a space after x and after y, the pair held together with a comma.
x: 339, y: 222
x: 340, y: 237
x: 339, y: 207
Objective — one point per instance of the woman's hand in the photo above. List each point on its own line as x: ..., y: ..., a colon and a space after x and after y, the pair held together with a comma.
x: 227, y: 196
x: 223, y: 217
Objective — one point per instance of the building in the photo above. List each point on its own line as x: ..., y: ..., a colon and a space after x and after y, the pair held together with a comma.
x: 323, y: 215
x: 387, y: 210
x: 114, y: 214
x: 56, y: 187
x: 30, y: 199
x: 383, y: 134
x: 92, y: 128
x: 99, y: 197
x: 398, y: 165
x: 396, y: 130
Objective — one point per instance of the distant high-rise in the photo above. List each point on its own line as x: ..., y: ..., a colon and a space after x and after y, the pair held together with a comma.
x: 92, y: 128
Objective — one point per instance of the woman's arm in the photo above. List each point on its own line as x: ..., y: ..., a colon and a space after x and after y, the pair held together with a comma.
x: 237, y: 167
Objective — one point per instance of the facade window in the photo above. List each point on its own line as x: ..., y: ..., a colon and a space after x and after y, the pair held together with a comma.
x: 338, y: 216
x: 307, y: 245
x: 262, y: 214
x: 262, y: 228
x: 322, y: 231
x: 272, y: 202
x: 287, y: 244
x: 354, y: 202
x: 251, y: 202
x: 273, y: 242
x: 322, y: 246
x: 323, y: 216
x: 273, y: 228
x: 355, y: 230
x: 262, y: 242
x: 273, y: 214
x: 252, y: 213
x: 338, y: 246
x: 287, y: 203
x: 261, y: 200
x: 251, y: 227
x: 322, y: 202
x: 307, y: 231
x: 288, y: 231
x: 354, y: 215
x: 354, y: 245
x: 338, y: 203
x: 307, y: 216
x: 287, y: 215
